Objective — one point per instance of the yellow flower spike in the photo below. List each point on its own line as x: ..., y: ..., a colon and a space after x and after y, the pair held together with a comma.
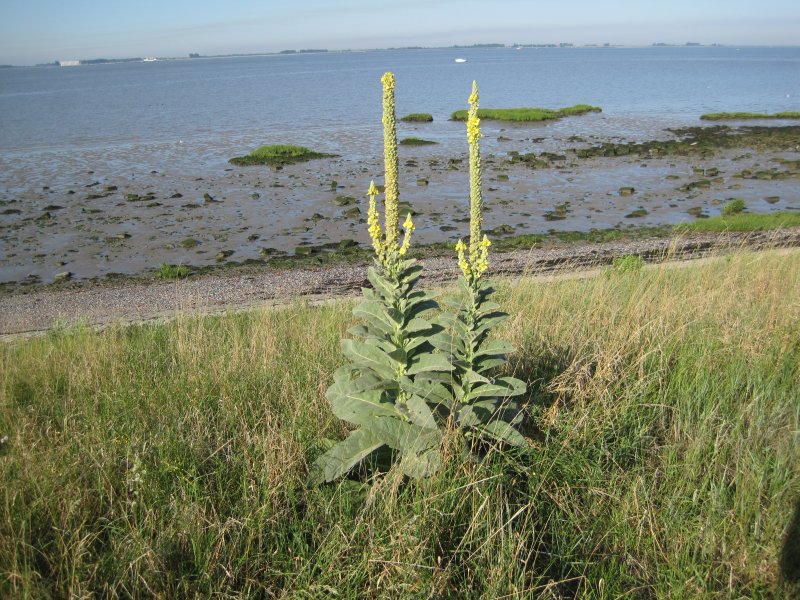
x: 475, y: 178
x: 463, y: 263
x: 391, y: 162
x: 374, y: 221
x: 409, y: 227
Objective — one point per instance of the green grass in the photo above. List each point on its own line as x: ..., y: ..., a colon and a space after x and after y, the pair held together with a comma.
x: 414, y: 141
x: 744, y: 222
x: 418, y: 118
x: 723, y: 116
x: 169, y: 460
x: 734, y: 207
x: 168, y: 271
x: 277, y: 156
x: 527, y: 114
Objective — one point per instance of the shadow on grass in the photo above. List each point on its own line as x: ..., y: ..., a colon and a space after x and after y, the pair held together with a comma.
x: 790, y: 553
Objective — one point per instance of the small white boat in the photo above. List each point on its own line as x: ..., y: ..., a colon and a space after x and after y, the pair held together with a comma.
x: 149, y: 59
x: 461, y: 60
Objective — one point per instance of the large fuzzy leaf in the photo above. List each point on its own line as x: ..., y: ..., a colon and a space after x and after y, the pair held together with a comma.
x: 405, y: 437
x: 502, y: 387
x: 345, y: 455
x: 383, y: 317
x: 369, y: 355
x: 495, y: 348
x: 503, y: 432
x: 420, y: 413
x: 382, y: 284
x: 421, y: 465
x: 421, y: 307
x: 429, y: 362
x: 432, y: 392
x: 417, y: 326
x: 359, y: 407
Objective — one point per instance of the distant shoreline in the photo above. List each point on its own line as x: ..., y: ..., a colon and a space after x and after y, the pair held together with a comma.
x: 302, y: 52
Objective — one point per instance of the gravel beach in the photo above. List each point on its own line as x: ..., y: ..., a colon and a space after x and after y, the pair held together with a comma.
x: 134, y: 301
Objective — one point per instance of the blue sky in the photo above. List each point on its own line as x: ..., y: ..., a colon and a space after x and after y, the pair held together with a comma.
x: 33, y: 31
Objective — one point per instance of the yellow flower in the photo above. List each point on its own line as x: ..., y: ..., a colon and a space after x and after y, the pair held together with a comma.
x: 409, y: 227
x: 473, y: 130
x: 373, y: 220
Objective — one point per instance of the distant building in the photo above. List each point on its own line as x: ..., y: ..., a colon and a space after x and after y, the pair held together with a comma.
x: 69, y: 63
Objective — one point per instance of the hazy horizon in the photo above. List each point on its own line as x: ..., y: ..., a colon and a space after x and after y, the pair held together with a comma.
x: 46, y: 31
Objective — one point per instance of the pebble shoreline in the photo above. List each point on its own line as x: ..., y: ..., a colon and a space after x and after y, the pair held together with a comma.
x: 135, y: 301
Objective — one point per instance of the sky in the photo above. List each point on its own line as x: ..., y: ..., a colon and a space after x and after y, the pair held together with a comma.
x: 38, y: 31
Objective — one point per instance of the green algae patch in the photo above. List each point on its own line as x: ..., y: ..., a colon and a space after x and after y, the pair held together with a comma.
x: 522, y: 115
x: 731, y: 116
x: 414, y: 141
x: 278, y: 155
x: 418, y: 118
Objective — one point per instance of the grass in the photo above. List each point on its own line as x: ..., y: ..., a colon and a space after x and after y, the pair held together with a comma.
x: 168, y: 271
x: 723, y: 116
x: 527, y: 114
x: 734, y: 207
x: 418, y: 118
x: 170, y: 459
x: 744, y: 222
x: 278, y: 156
x: 414, y: 141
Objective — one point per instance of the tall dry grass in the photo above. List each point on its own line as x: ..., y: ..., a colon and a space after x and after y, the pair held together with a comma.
x: 170, y: 460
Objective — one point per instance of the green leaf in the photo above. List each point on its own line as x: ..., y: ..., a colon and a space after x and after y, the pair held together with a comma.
x: 502, y: 387
x: 382, y: 284
x: 350, y: 379
x: 420, y: 308
x: 370, y: 356
x: 345, y: 455
x: 421, y: 465
x: 471, y: 377
x: 467, y: 416
x: 420, y: 413
x: 432, y: 392
x: 490, y: 322
x: 409, y: 272
x: 361, y: 407
x: 383, y: 317
x: 494, y: 348
x: 503, y: 432
x: 489, y: 362
x: 487, y: 307
x: 417, y: 325
x: 405, y: 437
x: 429, y: 362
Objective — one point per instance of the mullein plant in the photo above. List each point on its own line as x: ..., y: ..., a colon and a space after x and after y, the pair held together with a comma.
x: 482, y: 407
x: 409, y: 379
x: 383, y: 390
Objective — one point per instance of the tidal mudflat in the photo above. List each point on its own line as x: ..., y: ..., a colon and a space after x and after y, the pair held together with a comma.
x: 119, y: 220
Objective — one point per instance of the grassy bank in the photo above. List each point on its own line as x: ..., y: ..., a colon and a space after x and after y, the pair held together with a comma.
x: 744, y: 222
x: 527, y: 114
x: 171, y: 459
x: 724, y: 116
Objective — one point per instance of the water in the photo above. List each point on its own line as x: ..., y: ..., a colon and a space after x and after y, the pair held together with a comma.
x: 169, y: 128
x: 318, y: 100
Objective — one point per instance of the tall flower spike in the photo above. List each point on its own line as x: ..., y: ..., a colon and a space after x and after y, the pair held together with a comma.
x: 475, y: 179
x: 390, y: 161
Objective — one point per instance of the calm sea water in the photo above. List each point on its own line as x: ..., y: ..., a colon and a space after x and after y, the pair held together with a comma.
x: 197, y: 113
